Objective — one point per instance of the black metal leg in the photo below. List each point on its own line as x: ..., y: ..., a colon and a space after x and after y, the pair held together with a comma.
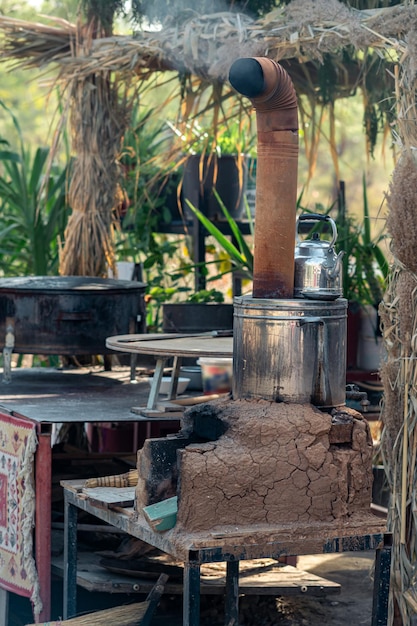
x: 172, y: 393
x: 4, y: 607
x: 191, y: 597
x: 70, y: 559
x: 232, y: 594
x: 381, y: 583
x: 199, y: 252
x: 133, y: 363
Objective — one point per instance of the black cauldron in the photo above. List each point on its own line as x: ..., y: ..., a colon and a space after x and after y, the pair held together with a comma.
x: 69, y: 314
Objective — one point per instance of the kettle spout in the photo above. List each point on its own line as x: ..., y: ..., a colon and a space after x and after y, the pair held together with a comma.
x: 333, y: 269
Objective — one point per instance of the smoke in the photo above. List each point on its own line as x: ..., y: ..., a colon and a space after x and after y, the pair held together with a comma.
x: 164, y: 11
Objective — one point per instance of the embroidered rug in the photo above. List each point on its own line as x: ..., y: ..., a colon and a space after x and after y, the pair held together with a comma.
x: 18, y: 573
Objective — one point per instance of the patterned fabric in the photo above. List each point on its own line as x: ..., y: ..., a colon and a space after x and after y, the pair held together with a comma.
x: 17, y: 508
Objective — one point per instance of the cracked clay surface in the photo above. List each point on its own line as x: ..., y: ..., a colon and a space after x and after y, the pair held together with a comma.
x: 275, y: 464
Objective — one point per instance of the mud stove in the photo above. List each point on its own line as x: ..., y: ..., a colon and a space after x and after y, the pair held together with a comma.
x: 283, y: 461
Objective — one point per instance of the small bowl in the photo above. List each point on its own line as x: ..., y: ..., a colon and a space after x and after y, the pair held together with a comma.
x: 166, y: 381
x: 193, y: 372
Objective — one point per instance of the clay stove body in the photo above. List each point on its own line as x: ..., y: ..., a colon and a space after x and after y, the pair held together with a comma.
x: 284, y: 450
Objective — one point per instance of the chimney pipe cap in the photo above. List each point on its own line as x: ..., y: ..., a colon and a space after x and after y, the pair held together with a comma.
x: 247, y: 77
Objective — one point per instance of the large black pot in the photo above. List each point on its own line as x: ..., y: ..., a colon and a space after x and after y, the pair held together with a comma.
x: 202, y: 174
x: 196, y: 317
x: 69, y: 314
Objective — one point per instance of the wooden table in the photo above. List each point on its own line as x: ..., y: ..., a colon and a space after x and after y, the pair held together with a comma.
x: 47, y: 396
x: 231, y: 547
x: 168, y: 346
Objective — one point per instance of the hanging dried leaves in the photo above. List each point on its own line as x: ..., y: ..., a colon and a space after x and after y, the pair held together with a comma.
x: 402, y: 218
x: 99, y: 117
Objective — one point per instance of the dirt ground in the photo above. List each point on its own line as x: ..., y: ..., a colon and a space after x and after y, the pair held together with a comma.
x: 351, y: 607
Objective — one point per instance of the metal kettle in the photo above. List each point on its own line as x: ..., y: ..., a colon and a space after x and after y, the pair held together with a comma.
x: 318, y: 269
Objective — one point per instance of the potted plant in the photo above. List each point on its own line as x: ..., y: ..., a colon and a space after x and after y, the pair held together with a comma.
x: 365, y: 271
x: 172, y: 303
x: 365, y: 267
x: 216, y: 158
x: 205, y: 310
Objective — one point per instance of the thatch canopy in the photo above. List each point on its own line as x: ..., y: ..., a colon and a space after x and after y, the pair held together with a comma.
x: 329, y: 50
x: 206, y: 45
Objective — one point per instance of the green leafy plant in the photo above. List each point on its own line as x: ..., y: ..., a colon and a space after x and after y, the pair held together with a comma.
x: 234, y: 137
x: 170, y: 278
x: 33, y: 208
x: 151, y: 185
x: 206, y: 295
x: 241, y: 256
x: 365, y: 266
x: 148, y: 178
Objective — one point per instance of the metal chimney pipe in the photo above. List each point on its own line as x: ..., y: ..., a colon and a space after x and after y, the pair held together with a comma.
x: 272, y: 94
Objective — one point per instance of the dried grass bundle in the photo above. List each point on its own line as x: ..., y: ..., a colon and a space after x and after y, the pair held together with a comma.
x: 99, y: 116
x: 402, y: 218
x: 129, y: 615
x: 205, y: 46
x: 128, y: 479
x: 399, y: 374
x: 35, y: 44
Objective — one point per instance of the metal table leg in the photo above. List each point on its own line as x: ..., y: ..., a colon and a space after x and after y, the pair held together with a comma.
x: 4, y: 607
x: 8, y: 349
x: 133, y: 363
x: 232, y: 594
x: 157, y: 377
x: 191, y: 594
x: 173, y: 385
x: 70, y: 559
x: 156, y: 382
x: 382, y: 583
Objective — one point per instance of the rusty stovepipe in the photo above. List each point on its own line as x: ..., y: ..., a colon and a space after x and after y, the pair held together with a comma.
x: 272, y: 93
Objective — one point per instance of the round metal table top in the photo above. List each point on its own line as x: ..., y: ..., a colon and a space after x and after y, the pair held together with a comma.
x: 172, y: 344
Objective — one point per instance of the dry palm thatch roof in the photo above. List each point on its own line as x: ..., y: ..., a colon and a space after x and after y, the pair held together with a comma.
x: 309, y: 38
x: 206, y: 45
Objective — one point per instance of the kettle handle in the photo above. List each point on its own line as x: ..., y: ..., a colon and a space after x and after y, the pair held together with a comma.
x: 316, y: 217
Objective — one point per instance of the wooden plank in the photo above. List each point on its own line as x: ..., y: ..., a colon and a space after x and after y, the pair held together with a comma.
x: 92, y: 577
x: 256, y: 577
x: 269, y: 579
x: 116, y: 496
x: 75, y: 485
x: 167, y: 406
x: 92, y: 528
x: 156, y: 413
x: 191, y: 400
x: 162, y: 515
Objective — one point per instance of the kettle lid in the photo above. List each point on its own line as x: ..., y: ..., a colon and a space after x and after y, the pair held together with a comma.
x: 313, y: 247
